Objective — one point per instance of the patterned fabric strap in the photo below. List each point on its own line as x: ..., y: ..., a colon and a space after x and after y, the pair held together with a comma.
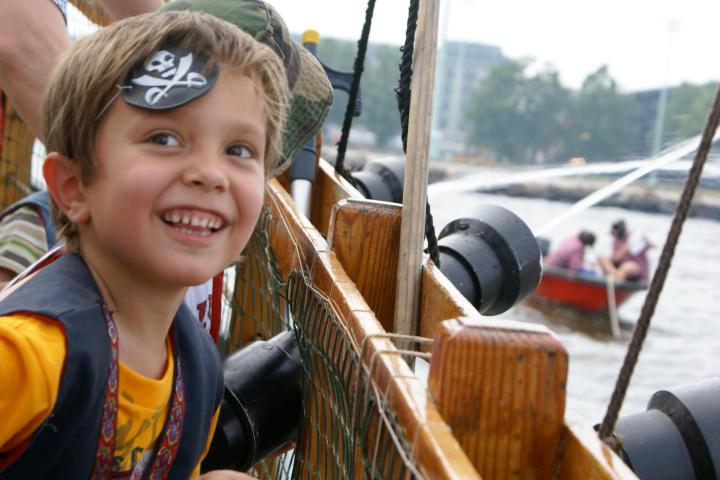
x: 106, y: 442
x: 166, y: 445
x: 167, y: 449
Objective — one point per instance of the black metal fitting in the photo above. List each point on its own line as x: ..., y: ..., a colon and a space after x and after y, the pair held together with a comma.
x: 382, y: 179
x: 493, y: 260
x: 678, y: 436
x: 262, y: 406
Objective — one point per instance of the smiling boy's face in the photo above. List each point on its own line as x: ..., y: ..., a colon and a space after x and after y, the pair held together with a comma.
x: 176, y: 193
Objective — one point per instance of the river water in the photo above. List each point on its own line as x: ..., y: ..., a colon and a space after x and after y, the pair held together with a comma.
x: 683, y: 343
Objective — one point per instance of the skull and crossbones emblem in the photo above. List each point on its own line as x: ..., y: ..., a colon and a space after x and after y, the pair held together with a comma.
x: 163, y: 72
x: 162, y: 62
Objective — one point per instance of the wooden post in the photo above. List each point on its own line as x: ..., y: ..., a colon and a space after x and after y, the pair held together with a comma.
x: 412, y: 230
x: 612, y: 305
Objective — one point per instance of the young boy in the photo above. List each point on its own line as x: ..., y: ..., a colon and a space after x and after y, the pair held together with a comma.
x: 161, y: 129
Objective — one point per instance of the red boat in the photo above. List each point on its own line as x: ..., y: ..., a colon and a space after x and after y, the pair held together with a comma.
x: 582, y: 291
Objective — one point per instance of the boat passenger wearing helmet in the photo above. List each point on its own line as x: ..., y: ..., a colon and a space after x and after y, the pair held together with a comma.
x: 162, y: 130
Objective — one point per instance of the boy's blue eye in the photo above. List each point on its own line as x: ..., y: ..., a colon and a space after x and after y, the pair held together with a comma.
x: 240, y: 151
x: 164, y: 138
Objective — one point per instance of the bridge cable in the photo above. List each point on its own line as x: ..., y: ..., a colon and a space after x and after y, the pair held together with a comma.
x: 402, y: 94
x: 607, y: 426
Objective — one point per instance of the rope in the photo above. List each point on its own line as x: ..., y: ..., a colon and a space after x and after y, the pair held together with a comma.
x: 354, y: 87
x: 402, y: 94
x: 608, y: 424
x: 402, y: 91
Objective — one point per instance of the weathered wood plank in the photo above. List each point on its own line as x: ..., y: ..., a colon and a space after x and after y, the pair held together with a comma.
x: 585, y: 457
x: 365, y: 236
x: 501, y: 388
x: 329, y: 188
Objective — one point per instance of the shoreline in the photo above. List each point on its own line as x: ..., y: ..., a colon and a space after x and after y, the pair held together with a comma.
x: 661, y: 197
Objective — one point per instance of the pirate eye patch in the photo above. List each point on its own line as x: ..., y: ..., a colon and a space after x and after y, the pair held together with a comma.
x: 169, y: 78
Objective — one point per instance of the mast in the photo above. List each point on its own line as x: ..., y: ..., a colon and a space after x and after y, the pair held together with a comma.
x: 412, y: 230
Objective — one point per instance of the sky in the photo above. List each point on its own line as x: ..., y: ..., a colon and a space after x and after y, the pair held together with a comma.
x: 645, y: 44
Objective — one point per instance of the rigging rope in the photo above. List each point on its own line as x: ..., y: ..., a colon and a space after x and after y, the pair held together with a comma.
x: 402, y: 94
x: 354, y: 87
x: 605, y: 431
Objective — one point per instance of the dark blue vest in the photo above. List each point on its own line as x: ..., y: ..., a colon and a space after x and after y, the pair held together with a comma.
x: 41, y: 202
x: 64, y: 445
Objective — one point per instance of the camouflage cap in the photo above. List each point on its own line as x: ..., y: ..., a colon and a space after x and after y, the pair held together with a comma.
x: 310, y: 88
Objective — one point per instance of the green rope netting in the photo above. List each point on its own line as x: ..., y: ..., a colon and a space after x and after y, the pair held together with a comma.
x: 349, y: 430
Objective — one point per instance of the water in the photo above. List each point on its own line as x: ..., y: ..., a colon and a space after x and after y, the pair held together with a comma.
x: 684, y: 339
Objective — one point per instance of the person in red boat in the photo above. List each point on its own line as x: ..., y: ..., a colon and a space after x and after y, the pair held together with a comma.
x: 570, y: 253
x: 628, y: 260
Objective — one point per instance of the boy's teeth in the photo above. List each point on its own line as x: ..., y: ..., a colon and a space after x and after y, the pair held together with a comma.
x: 202, y: 223
x: 200, y: 233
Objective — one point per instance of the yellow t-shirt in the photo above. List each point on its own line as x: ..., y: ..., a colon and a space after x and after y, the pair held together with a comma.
x: 32, y: 354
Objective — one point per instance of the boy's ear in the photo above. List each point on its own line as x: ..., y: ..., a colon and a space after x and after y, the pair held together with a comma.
x: 65, y: 187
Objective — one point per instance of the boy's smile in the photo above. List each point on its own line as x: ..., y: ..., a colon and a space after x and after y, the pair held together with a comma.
x: 176, y: 193
x: 194, y: 223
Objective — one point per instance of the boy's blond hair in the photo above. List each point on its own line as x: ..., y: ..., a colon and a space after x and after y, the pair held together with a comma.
x: 88, y: 76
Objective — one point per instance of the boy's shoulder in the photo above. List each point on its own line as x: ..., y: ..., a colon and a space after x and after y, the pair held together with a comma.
x: 61, y: 287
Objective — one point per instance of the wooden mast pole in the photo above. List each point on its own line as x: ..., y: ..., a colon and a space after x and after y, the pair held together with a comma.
x: 412, y: 230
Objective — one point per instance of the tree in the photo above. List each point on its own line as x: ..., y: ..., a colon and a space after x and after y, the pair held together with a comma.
x: 518, y: 117
x: 687, y: 111
x: 604, y: 124
x: 381, y: 116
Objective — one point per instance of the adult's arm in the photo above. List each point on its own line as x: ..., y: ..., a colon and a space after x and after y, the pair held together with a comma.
x: 32, y: 37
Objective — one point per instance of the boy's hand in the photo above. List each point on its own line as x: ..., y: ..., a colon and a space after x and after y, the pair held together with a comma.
x: 225, y: 475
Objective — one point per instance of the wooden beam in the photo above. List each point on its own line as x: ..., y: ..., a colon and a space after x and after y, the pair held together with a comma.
x: 412, y: 230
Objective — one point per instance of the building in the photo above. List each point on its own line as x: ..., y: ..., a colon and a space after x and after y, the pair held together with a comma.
x: 461, y: 67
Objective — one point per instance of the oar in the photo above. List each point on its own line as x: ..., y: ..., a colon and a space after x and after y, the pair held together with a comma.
x: 612, y: 305
x: 597, y: 196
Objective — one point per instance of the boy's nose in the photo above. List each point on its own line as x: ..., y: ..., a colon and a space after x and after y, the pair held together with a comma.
x: 207, y: 174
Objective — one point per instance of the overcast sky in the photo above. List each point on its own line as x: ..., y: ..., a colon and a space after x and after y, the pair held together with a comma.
x: 644, y: 43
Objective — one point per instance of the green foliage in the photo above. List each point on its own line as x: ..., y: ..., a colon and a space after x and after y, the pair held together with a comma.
x: 523, y: 118
x: 604, y: 124
x: 380, y: 113
x: 687, y: 110
x: 517, y: 116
